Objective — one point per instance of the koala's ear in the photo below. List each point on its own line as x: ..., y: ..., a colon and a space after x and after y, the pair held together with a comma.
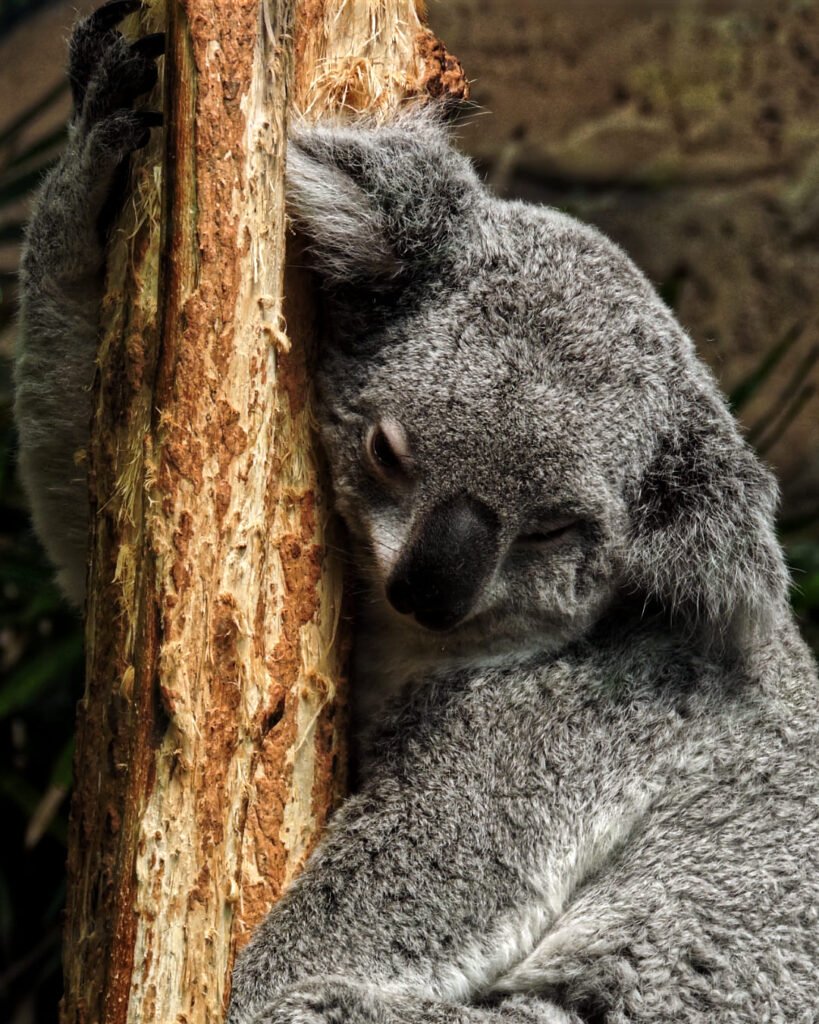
x: 703, y: 540
x: 374, y: 201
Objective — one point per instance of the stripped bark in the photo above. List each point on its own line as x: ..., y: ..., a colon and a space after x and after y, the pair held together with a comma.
x: 210, y: 738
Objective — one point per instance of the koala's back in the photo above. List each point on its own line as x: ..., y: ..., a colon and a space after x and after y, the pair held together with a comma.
x: 709, y: 908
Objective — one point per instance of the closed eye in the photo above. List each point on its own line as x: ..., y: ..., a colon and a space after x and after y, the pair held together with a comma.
x: 548, y: 532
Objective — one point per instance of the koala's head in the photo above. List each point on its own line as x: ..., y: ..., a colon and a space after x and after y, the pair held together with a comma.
x: 519, y: 431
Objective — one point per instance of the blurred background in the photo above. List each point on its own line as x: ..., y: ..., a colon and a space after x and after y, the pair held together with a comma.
x: 688, y: 131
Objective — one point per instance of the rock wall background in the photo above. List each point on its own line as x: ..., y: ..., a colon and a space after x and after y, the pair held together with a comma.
x: 689, y: 132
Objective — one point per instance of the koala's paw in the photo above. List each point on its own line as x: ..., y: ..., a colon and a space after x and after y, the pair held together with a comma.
x: 107, y: 75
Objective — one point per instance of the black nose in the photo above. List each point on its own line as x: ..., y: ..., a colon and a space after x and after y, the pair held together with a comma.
x: 449, y: 559
x: 429, y: 603
x: 400, y: 595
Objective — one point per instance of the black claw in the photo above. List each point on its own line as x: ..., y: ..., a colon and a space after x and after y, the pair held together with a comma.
x: 150, y: 118
x: 111, y: 13
x: 151, y: 46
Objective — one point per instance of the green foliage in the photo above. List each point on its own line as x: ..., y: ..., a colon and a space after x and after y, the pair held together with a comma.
x: 803, y: 557
x: 747, y: 389
x: 800, y: 537
x: 41, y: 669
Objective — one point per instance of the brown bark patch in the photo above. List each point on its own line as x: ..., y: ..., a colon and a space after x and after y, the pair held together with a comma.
x: 443, y: 76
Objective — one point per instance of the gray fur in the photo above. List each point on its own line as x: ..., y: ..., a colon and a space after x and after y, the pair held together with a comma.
x: 594, y: 798
x: 61, y: 285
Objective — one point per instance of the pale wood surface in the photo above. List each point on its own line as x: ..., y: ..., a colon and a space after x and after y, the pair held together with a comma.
x: 211, y: 738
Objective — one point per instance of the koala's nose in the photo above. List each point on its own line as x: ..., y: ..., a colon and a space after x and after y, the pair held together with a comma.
x: 449, y: 559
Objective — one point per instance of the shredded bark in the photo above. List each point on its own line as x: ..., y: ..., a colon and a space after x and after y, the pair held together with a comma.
x: 443, y: 75
x: 211, y: 735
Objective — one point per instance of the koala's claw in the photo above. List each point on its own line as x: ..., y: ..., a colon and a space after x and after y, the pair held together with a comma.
x: 124, y: 131
x: 148, y: 119
x: 151, y: 118
x: 151, y: 46
x: 91, y: 37
x: 112, y: 12
x: 107, y: 72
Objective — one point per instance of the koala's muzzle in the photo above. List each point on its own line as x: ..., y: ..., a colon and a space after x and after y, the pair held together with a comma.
x: 446, y: 563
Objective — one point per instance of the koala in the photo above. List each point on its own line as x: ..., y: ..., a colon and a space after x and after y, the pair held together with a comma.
x: 586, y: 723
x: 61, y: 279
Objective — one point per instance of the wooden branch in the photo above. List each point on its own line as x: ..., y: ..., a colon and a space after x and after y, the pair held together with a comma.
x: 210, y: 738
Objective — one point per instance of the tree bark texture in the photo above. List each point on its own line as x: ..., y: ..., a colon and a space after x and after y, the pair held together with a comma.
x: 210, y: 737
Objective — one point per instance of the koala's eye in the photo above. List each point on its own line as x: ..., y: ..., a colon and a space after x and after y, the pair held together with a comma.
x: 387, y: 449
x: 550, y: 531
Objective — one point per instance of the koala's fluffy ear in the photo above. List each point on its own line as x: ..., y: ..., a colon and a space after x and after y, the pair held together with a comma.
x: 378, y: 201
x: 703, y: 541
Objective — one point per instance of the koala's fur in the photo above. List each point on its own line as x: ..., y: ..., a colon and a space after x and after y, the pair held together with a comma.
x: 593, y: 797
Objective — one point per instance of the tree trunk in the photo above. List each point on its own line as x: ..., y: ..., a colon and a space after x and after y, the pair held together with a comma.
x: 210, y: 738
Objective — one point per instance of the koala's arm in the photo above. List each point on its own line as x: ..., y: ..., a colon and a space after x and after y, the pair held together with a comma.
x: 337, y: 999
x: 415, y: 897
x: 441, y: 874
x: 61, y: 280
